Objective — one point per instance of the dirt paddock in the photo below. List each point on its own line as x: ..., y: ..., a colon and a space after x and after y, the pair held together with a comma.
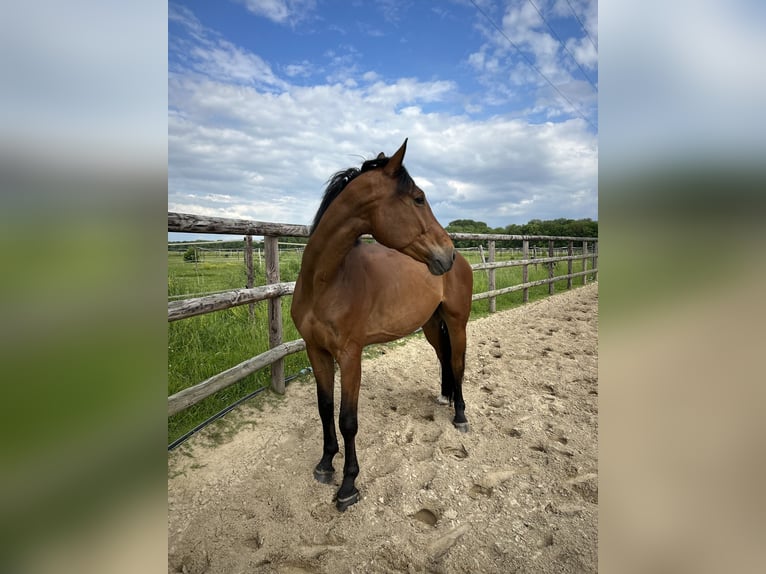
x: 518, y: 493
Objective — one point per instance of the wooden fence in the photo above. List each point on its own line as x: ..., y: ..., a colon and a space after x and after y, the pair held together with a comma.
x: 274, y: 289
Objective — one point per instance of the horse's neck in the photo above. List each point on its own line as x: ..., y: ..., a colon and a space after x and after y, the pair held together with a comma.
x: 330, y: 242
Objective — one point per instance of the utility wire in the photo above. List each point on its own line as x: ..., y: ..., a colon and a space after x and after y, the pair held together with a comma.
x: 231, y: 407
x: 532, y: 65
x: 563, y: 46
x: 584, y: 29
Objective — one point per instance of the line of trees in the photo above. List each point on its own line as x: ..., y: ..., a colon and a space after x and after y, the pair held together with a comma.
x: 562, y: 227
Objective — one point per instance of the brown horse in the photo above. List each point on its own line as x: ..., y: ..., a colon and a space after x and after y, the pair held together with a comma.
x: 350, y: 294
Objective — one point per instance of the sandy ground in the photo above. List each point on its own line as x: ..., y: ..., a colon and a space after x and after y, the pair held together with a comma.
x: 519, y: 493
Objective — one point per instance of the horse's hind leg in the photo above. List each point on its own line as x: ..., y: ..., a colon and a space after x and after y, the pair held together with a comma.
x: 324, y: 373
x: 451, y: 351
x: 457, y: 340
x: 437, y: 335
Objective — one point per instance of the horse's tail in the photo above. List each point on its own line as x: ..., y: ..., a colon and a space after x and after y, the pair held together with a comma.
x: 448, y: 376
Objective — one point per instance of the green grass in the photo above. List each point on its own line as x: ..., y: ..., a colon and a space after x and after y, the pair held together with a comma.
x: 202, y: 346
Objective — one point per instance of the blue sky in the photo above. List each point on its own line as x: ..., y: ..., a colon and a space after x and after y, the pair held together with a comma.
x: 268, y: 98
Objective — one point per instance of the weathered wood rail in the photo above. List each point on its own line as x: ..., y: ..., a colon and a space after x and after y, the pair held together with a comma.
x: 274, y: 289
x: 209, y: 303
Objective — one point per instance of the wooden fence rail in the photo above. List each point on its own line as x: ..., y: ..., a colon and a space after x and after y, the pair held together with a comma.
x: 192, y: 395
x: 209, y: 303
x: 520, y: 262
x: 187, y: 223
x: 274, y: 290
x: 524, y: 286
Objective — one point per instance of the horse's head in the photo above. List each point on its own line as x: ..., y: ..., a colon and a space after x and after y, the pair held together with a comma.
x: 401, y: 218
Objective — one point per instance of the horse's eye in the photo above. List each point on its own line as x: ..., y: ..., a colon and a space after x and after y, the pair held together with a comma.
x: 420, y: 200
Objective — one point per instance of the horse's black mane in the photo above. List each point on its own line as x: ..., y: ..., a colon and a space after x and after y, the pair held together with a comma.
x: 340, y: 180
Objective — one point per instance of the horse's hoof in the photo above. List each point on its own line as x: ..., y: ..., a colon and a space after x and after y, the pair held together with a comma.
x: 343, y: 503
x: 324, y: 476
x: 462, y: 427
x: 442, y: 400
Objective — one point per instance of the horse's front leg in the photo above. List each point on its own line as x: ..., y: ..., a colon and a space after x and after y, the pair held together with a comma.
x: 324, y: 372
x: 350, y: 376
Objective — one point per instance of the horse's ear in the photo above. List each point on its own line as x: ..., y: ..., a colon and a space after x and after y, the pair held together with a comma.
x: 381, y: 155
x: 395, y: 163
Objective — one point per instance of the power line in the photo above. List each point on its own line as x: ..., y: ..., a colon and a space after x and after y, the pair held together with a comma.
x: 532, y: 65
x: 564, y: 46
x: 231, y: 407
x: 584, y: 29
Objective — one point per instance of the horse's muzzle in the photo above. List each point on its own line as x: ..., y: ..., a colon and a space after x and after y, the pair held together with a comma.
x: 440, y: 263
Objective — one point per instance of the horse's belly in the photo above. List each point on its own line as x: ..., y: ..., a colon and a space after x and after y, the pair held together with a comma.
x: 382, y: 294
x: 401, y: 306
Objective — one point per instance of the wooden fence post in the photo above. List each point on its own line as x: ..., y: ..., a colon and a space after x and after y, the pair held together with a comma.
x: 492, y: 300
x: 551, y: 267
x: 525, y: 270
x: 271, y: 254
x: 570, y: 252
x: 249, y: 269
x: 595, y: 260
x: 584, y: 262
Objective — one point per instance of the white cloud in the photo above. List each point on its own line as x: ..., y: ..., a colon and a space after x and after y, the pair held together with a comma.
x: 281, y: 11
x: 226, y: 61
x: 206, y: 52
x: 408, y: 90
x: 219, y: 197
x: 265, y: 149
x: 185, y: 17
x: 410, y: 111
x: 584, y: 52
x: 586, y: 11
x: 507, y: 74
x: 275, y: 10
x: 303, y: 69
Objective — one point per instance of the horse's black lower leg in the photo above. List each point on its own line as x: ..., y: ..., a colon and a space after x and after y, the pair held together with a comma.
x: 324, y: 471
x: 350, y: 379
x: 453, y: 367
x: 460, y: 421
x: 348, y: 493
x: 324, y: 373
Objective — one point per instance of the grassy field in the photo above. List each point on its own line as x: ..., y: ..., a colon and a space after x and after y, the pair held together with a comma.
x: 202, y: 346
